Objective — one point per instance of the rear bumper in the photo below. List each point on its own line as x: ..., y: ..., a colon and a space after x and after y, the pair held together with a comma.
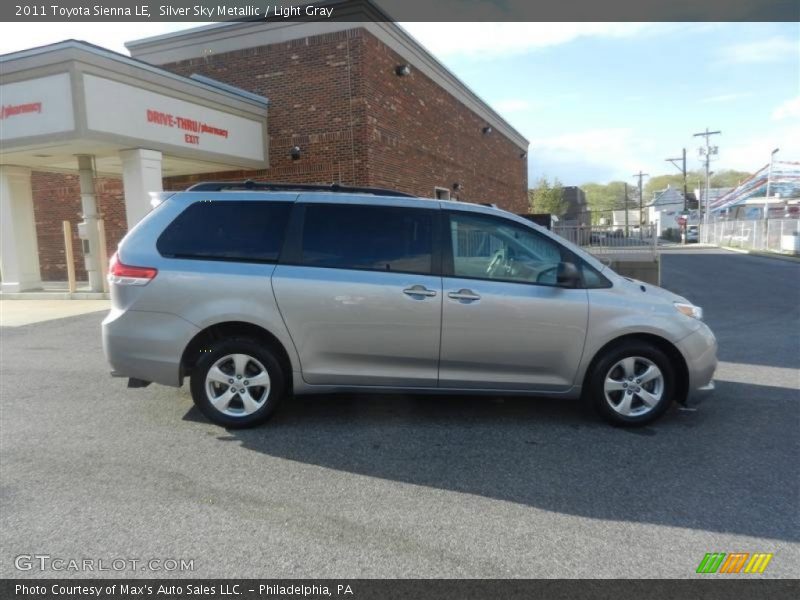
x: 699, y: 349
x: 146, y: 345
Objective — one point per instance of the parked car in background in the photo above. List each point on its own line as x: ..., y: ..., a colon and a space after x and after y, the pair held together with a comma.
x: 258, y: 292
x: 692, y: 234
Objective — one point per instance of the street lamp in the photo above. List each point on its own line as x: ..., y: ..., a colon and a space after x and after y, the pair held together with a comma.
x: 769, y: 178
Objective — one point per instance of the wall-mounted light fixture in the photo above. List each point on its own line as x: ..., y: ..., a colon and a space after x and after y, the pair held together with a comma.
x: 523, y: 154
x: 457, y: 187
x: 487, y: 130
x: 402, y: 70
x: 295, y: 152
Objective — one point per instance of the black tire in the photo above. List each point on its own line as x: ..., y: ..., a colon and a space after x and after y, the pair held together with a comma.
x: 641, y: 353
x: 268, y: 397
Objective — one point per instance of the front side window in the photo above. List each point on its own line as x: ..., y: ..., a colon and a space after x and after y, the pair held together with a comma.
x: 491, y: 248
x: 376, y: 238
x: 249, y: 231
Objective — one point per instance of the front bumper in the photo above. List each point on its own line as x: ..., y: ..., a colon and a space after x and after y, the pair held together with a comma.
x: 697, y: 395
x: 699, y: 349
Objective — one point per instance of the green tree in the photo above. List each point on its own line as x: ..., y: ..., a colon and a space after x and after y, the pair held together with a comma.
x: 603, y: 198
x: 695, y: 179
x: 547, y: 198
x: 728, y: 178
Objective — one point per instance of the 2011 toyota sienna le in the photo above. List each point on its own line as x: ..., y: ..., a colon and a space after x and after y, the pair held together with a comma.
x: 257, y: 291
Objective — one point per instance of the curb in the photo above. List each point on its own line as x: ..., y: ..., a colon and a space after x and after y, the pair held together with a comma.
x: 784, y: 257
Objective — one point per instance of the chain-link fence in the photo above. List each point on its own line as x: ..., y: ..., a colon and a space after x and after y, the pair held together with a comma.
x: 771, y: 235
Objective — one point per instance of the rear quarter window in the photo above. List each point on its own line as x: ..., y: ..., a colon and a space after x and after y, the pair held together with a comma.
x: 374, y: 238
x: 247, y: 231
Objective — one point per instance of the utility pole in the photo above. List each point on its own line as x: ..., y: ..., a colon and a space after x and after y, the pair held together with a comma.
x: 685, y: 214
x: 641, y: 204
x: 625, y: 206
x: 707, y: 152
x: 682, y: 169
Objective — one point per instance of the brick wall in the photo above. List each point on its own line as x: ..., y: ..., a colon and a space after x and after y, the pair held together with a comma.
x: 57, y: 198
x: 315, y: 103
x: 420, y: 137
x: 338, y: 98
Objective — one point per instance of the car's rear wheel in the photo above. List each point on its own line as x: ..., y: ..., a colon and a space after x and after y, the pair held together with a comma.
x: 632, y: 384
x: 238, y: 383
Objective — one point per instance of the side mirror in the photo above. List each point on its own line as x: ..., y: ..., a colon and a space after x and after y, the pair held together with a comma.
x: 567, y: 275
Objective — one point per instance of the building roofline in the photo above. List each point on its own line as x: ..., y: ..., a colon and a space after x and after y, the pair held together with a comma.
x: 204, y: 83
x: 361, y: 13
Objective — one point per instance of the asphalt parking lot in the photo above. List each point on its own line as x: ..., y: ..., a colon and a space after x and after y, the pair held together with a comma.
x: 405, y: 486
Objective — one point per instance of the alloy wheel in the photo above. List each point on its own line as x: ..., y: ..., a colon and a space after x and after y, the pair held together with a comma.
x: 237, y: 385
x: 633, y: 386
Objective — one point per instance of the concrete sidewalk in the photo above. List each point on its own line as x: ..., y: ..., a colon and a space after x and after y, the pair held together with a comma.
x: 14, y: 313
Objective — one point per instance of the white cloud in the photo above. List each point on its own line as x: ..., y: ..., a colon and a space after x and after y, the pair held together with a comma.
x: 595, y: 154
x: 490, y: 40
x: 773, y: 49
x: 790, y: 109
x: 21, y: 36
x: 752, y: 154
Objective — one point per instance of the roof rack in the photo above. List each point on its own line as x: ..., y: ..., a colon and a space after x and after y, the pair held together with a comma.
x: 220, y: 186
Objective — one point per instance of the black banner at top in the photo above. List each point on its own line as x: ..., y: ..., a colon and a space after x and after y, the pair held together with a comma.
x: 399, y: 10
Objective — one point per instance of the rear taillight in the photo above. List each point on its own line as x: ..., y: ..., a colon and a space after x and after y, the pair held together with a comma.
x: 122, y: 274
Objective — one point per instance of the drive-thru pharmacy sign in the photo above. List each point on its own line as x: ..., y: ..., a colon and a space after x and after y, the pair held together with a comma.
x: 10, y: 110
x: 71, y: 99
x: 123, y: 109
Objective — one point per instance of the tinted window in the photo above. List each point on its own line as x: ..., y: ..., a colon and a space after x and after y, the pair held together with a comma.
x: 368, y: 237
x: 491, y: 248
x: 224, y: 230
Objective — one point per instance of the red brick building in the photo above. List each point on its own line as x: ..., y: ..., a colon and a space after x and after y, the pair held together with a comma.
x: 364, y: 103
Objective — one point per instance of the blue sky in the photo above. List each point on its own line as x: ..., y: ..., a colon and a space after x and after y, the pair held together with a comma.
x: 601, y: 101
x: 598, y: 101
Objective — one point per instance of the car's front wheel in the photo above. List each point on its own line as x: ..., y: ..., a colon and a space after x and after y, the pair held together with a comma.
x: 238, y: 383
x: 632, y: 384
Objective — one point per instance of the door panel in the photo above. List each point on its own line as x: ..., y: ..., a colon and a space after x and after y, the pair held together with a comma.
x: 506, y: 322
x: 359, y: 298
x: 360, y: 327
x: 515, y: 336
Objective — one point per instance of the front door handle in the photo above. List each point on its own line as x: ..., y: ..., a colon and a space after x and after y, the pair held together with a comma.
x: 419, y: 290
x: 464, y: 294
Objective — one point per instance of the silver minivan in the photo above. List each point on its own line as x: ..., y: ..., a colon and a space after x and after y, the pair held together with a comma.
x: 257, y: 292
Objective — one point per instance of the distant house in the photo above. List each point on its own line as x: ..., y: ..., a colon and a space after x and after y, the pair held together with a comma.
x: 618, y: 218
x: 667, y: 206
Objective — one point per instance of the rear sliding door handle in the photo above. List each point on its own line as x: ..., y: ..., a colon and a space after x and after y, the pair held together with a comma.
x: 468, y: 295
x: 419, y: 290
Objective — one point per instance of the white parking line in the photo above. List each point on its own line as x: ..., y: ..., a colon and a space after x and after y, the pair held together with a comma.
x: 758, y: 375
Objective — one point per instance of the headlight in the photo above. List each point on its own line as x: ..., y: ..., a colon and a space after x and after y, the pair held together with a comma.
x: 690, y: 310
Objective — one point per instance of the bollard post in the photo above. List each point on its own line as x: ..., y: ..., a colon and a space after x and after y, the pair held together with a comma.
x: 69, y: 257
x: 102, y: 252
